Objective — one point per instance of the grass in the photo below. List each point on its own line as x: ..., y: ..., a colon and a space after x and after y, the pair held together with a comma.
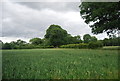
x: 60, y: 64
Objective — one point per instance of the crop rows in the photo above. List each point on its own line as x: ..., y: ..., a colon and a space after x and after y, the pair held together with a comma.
x: 60, y: 64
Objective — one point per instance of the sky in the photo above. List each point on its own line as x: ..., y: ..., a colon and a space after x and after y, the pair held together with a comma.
x: 26, y: 20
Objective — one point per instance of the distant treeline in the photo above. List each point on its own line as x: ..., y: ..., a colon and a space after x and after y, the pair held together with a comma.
x: 56, y: 37
x: 41, y: 43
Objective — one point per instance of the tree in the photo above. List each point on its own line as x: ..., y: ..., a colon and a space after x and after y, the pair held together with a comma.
x: 20, y: 42
x: 114, y: 41
x: 77, y: 39
x: 56, y: 35
x: 14, y: 44
x: 17, y: 44
x: 73, y: 40
x: 93, y: 39
x: 1, y: 44
x: 36, y: 41
x: 104, y: 16
x: 105, y: 41
x: 94, y: 45
x: 45, y: 42
x: 7, y: 46
x: 87, y: 38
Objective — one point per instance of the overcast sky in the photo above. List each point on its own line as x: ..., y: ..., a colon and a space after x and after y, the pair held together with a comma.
x: 26, y: 20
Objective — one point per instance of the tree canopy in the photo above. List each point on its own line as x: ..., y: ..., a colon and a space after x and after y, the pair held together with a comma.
x: 87, y: 38
x: 104, y: 16
x: 56, y: 35
x: 36, y: 41
x: 1, y: 43
x: 93, y: 38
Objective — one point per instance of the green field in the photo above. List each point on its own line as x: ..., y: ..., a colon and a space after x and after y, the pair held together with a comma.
x: 60, y: 64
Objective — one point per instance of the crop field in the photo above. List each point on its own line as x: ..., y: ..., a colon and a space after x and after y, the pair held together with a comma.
x: 60, y: 64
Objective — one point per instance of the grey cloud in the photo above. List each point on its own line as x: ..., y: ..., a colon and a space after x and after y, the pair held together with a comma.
x: 0, y: 19
x: 57, y: 6
x: 42, y: 0
x: 28, y: 20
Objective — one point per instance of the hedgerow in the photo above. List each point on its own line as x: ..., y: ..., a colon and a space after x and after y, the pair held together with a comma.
x: 94, y: 45
x: 81, y: 45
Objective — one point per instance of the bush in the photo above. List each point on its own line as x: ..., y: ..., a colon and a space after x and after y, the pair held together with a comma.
x: 94, y: 45
x: 25, y: 46
x: 43, y: 46
x: 81, y: 45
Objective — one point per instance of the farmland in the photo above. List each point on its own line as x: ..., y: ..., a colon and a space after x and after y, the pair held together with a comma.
x: 60, y: 64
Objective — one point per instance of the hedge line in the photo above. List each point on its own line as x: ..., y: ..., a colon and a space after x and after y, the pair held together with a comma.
x: 91, y: 45
x: 81, y: 45
x: 26, y: 47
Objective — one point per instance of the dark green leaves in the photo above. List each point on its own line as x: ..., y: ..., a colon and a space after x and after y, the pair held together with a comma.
x: 105, y: 16
x: 56, y: 35
x: 36, y: 41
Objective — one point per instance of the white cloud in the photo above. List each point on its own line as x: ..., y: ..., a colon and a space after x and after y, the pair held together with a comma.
x: 9, y: 39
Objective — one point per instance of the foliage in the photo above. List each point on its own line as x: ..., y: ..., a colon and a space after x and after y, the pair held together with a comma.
x: 73, y: 40
x: 44, y: 46
x: 87, y: 38
x: 104, y: 16
x: 93, y: 39
x: 56, y: 35
x: 81, y: 45
x: 1, y: 43
x: 94, y: 45
x: 6, y: 46
x: 36, y: 41
x: 70, y: 42
x: 60, y: 64
x: 111, y: 41
x: 20, y: 42
x: 45, y: 42
x: 77, y: 39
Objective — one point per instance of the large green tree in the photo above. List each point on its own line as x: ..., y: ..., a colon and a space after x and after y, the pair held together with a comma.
x: 56, y: 35
x: 105, y: 16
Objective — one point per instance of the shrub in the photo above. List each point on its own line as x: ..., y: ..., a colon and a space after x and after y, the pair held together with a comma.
x: 94, y: 45
x: 31, y: 46
x: 81, y: 45
x: 43, y: 46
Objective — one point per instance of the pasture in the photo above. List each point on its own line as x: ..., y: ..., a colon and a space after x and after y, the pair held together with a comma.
x: 60, y: 64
